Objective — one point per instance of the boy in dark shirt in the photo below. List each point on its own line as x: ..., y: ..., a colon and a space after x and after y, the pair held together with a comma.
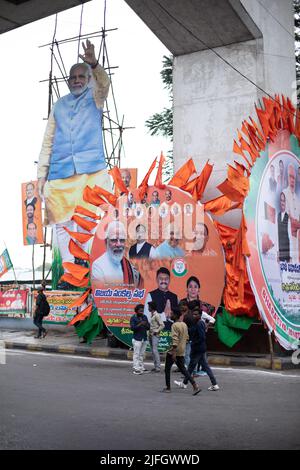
x: 198, y: 351
x: 139, y: 325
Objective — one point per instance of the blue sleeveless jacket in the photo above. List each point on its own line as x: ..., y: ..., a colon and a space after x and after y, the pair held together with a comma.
x: 77, y: 145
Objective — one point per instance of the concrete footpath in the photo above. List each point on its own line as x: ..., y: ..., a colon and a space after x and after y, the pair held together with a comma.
x: 66, y: 341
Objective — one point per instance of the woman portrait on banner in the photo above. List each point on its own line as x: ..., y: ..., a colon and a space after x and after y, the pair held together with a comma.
x: 193, y: 294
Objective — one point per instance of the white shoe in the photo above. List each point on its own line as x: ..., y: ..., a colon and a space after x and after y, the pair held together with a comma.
x: 137, y: 372
x: 180, y: 384
x: 213, y: 388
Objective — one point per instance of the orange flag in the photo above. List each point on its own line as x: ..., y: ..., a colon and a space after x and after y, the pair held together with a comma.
x: 260, y: 134
x: 184, y: 173
x: 82, y: 315
x: 111, y: 198
x: 80, y: 300
x: 290, y: 117
x: 76, y: 270
x: 241, y: 169
x: 218, y: 206
x: 144, y: 184
x: 197, y: 186
x: 158, y: 180
x: 277, y: 112
x: 90, y: 196
x: 230, y: 191
x: 269, y: 105
x: 117, y: 177
x: 78, y: 252
x: 83, y: 223
x: 87, y: 213
x: 239, y: 182
x: 250, y: 149
x: 297, y: 125
x: 264, y: 121
x: 191, y: 187
x: 75, y: 282
x: 79, y: 236
x: 203, y: 179
x: 221, y: 205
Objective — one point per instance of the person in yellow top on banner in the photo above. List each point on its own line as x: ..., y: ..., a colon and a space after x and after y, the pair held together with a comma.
x: 72, y: 154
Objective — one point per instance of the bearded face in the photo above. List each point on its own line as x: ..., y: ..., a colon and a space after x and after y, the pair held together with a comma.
x: 200, y: 237
x: 115, y: 245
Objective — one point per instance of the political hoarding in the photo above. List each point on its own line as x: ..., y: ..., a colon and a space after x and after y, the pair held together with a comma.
x: 13, y: 301
x: 60, y: 302
x: 272, y: 211
x: 31, y: 214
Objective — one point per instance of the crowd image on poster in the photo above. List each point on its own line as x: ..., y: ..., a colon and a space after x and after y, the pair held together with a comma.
x: 31, y: 214
x: 149, y: 250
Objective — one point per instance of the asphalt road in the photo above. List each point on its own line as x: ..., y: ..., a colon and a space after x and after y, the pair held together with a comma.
x: 61, y: 402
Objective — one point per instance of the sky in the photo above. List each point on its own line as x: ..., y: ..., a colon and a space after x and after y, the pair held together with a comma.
x: 137, y: 85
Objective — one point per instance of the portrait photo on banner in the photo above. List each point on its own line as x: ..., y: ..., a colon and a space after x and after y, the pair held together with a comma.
x: 148, y: 252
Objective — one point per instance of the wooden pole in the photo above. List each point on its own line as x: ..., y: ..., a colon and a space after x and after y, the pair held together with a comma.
x: 33, y: 271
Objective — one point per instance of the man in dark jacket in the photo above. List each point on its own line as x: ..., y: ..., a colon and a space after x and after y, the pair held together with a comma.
x: 198, y: 350
x: 40, y: 312
x: 139, y: 325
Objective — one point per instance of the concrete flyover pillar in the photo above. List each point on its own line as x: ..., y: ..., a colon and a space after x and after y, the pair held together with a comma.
x: 210, y: 98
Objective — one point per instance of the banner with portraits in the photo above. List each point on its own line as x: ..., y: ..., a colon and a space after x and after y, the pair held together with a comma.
x: 31, y: 214
x: 13, y: 301
x: 163, y: 249
x: 59, y: 301
x: 272, y: 211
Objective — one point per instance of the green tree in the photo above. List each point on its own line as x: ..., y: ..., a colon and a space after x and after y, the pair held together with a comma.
x: 162, y: 123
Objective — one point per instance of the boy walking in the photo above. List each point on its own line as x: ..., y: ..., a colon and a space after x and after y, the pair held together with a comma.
x: 139, y: 325
x: 198, y: 352
x: 179, y: 336
x: 156, y: 326
x: 41, y: 311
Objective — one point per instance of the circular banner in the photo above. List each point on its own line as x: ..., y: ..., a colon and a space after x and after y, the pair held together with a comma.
x: 148, y: 251
x: 272, y: 211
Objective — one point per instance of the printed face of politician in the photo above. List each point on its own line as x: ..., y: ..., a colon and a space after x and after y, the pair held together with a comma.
x: 126, y: 177
x: 78, y: 80
x: 141, y: 234
x: 168, y: 195
x: 115, y: 244
x: 29, y: 212
x: 292, y: 178
x: 155, y: 196
x: 193, y: 290
x: 163, y: 281
x: 31, y: 231
x: 282, y: 202
x: 201, y: 236
x: 173, y: 240
x: 30, y: 191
